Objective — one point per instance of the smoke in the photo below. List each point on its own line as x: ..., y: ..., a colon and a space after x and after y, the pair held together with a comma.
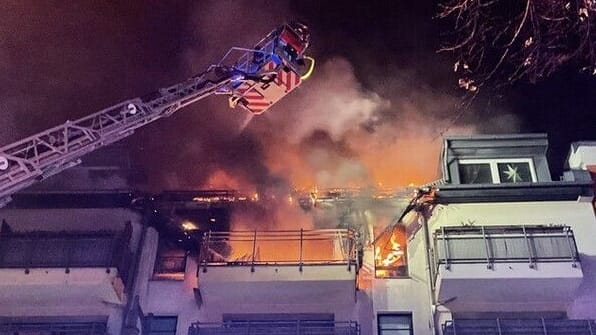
x: 337, y: 132
x: 334, y: 101
x: 359, y: 121
x: 274, y: 214
x: 218, y: 25
x: 344, y: 127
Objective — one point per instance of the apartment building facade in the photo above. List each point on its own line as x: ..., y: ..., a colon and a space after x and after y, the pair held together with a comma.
x: 497, y: 247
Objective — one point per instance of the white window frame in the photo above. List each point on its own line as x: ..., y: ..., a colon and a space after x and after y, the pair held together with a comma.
x: 156, y: 332
x: 409, y: 315
x: 494, y: 170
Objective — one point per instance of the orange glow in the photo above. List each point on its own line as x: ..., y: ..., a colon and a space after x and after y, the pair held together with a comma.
x: 390, y: 158
x: 282, y: 215
x: 400, y: 152
x: 220, y: 179
x: 284, y: 251
x: 290, y: 247
x: 286, y: 159
x: 407, y: 160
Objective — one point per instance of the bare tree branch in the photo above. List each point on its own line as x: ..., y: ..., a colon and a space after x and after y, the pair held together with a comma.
x: 498, y: 42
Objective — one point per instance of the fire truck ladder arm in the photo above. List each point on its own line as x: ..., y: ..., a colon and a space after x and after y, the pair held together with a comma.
x: 51, y: 151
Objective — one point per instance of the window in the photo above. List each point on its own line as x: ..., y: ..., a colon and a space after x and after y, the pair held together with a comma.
x: 496, y: 171
x: 162, y: 325
x: 395, y: 324
x: 391, y: 253
x: 170, y: 262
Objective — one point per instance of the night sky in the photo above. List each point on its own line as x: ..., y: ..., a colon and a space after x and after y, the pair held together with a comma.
x: 63, y: 60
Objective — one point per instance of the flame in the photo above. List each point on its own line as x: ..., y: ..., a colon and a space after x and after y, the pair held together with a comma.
x: 189, y: 225
x: 393, y: 256
x: 390, y: 253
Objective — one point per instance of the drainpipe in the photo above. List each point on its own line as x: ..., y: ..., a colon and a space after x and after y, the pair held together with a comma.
x: 130, y: 315
x: 431, y: 284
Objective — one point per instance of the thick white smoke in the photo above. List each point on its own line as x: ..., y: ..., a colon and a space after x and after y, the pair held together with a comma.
x: 333, y: 101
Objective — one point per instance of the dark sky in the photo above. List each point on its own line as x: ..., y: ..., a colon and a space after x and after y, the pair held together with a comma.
x: 63, y: 60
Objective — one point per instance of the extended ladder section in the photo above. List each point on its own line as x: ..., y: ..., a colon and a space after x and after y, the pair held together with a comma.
x: 253, y: 78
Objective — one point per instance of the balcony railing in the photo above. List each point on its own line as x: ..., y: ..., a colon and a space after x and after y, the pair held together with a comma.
x: 297, y: 327
x: 519, y: 327
x: 65, y: 250
x: 66, y: 328
x: 501, y: 244
x: 301, y: 247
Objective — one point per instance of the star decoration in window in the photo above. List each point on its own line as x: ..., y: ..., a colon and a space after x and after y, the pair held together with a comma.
x: 512, y: 174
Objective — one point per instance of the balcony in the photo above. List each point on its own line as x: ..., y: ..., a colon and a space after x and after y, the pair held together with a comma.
x: 43, y: 268
x: 276, y: 328
x: 519, y: 327
x: 279, y: 266
x: 62, y: 328
x: 484, y: 267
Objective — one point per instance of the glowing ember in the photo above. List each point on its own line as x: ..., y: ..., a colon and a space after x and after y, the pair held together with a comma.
x: 188, y: 225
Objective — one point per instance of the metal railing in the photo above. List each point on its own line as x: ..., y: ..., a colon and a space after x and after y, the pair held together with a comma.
x: 287, y: 247
x: 297, y: 327
x: 519, y: 327
x: 50, y: 328
x: 63, y: 250
x: 499, y: 244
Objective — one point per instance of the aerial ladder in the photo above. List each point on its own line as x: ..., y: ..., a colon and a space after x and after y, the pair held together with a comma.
x: 254, y: 79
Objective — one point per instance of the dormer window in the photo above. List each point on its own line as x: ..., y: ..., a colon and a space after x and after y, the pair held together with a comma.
x: 496, y: 171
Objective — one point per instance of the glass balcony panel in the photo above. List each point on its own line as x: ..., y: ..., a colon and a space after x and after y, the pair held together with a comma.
x: 49, y: 252
x: 13, y: 252
x: 508, y: 247
x: 71, y: 328
x: 92, y: 251
x: 553, y: 247
x: 519, y: 327
x: 468, y: 245
x: 67, y: 251
x: 276, y: 327
x: 466, y: 248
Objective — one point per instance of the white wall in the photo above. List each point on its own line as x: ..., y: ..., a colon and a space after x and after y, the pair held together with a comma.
x: 408, y: 295
x: 166, y: 297
x: 578, y: 215
x: 583, y: 156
